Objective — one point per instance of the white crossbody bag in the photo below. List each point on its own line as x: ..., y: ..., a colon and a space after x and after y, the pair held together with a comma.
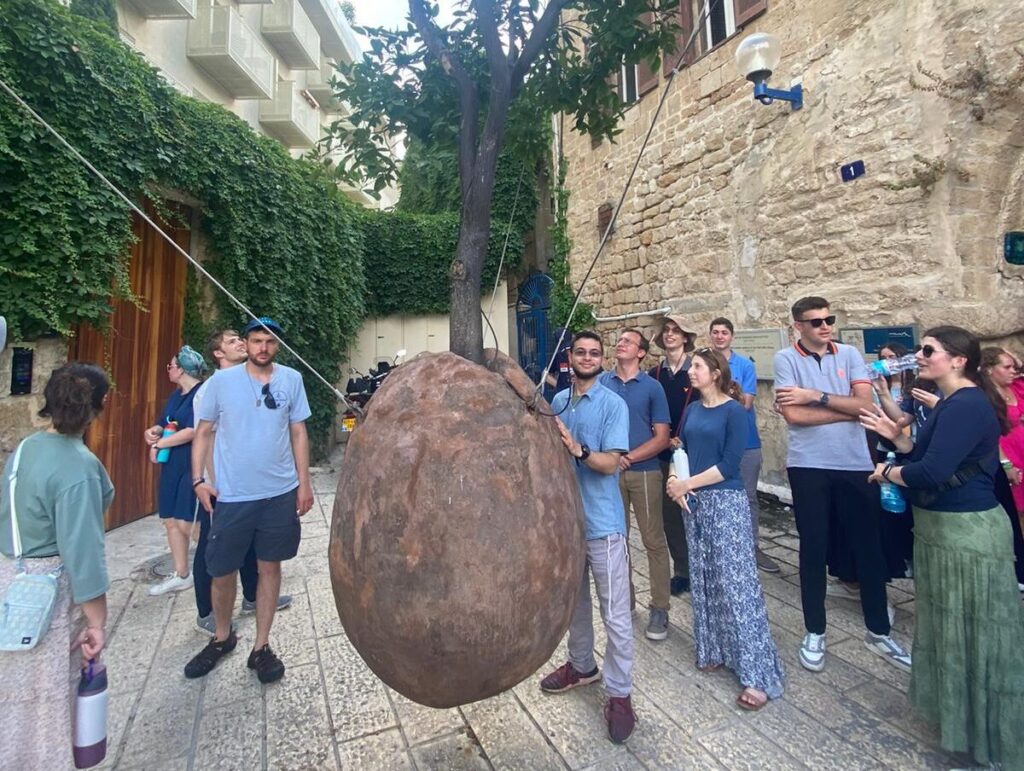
x: 29, y: 600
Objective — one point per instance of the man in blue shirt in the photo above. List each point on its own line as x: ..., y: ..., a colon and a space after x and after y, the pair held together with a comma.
x: 594, y: 425
x: 261, y: 462
x: 640, y: 479
x: 745, y: 375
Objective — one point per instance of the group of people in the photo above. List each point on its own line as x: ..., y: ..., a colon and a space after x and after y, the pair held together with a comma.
x: 236, y: 459
x: 957, y: 437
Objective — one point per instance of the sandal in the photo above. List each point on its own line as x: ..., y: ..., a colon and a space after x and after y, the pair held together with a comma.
x: 750, y: 700
x: 710, y: 668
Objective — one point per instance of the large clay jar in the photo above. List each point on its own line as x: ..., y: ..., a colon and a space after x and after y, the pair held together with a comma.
x: 457, y: 542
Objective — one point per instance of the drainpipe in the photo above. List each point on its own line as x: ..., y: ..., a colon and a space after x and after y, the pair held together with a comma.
x: 658, y: 312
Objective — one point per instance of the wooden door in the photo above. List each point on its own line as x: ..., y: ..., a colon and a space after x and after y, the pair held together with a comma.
x: 135, y: 351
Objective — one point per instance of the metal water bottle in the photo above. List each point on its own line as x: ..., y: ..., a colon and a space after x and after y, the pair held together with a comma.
x: 90, y: 744
x: 164, y: 453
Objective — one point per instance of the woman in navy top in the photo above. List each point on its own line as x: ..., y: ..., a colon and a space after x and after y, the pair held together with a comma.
x: 730, y: 623
x: 968, y: 673
x: 176, y: 497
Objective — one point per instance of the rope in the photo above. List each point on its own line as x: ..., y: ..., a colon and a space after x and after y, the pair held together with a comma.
x: 701, y: 18
x: 501, y: 262
x: 351, y: 405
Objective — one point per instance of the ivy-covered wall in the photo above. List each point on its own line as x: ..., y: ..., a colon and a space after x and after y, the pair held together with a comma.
x: 279, y: 233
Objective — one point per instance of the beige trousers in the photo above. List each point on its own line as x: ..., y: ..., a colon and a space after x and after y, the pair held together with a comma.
x: 641, y: 491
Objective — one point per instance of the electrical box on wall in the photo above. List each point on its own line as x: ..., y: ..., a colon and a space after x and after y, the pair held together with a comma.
x: 21, y: 372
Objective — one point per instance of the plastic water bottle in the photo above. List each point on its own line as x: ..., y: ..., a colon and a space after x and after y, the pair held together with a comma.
x: 680, y: 463
x: 888, y: 367
x: 90, y: 743
x: 164, y: 453
x: 892, y: 497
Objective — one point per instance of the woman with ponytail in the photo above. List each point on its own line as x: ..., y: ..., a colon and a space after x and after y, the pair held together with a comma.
x: 968, y: 674
x: 61, y: 494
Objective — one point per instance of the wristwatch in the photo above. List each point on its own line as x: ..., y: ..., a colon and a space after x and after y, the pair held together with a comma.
x: 584, y: 454
x: 823, y: 401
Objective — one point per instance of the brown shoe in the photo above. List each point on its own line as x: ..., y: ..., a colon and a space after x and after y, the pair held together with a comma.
x: 566, y: 677
x: 621, y: 720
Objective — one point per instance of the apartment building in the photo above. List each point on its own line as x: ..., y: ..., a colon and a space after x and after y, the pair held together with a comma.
x: 270, y: 63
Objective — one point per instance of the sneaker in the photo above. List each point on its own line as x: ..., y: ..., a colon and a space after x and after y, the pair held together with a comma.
x: 679, y: 585
x: 812, y: 652
x: 268, y: 666
x: 766, y: 563
x: 283, y: 601
x: 842, y: 590
x: 566, y: 677
x: 206, y: 625
x: 207, y: 658
x: 657, y: 626
x: 888, y: 649
x: 173, y: 583
x: 621, y: 720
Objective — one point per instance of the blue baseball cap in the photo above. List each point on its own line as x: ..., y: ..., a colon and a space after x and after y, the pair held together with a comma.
x: 260, y: 323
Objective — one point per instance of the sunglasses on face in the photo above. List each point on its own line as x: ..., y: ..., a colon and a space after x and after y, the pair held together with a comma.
x: 268, y: 398
x: 928, y: 350
x: 816, y: 323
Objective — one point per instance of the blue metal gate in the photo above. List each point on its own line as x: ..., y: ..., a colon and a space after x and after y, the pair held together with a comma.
x: 532, y: 327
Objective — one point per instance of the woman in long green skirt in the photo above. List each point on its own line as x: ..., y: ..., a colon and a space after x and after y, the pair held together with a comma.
x: 968, y: 671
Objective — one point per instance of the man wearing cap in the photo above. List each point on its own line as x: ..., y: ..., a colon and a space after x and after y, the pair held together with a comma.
x: 261, y: 460
x: 673, y: 373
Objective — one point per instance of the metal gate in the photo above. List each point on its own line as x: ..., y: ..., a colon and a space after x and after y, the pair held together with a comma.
x: 532, y: 327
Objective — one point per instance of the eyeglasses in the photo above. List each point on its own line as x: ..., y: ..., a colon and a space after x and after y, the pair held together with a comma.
x: 830, y: 320
x: 173, y: 365
x: 928, y: 350
x: 268, y: 398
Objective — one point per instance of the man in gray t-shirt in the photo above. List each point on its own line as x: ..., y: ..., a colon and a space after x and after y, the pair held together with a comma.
x: 821, y: 386
x: 261, y: 464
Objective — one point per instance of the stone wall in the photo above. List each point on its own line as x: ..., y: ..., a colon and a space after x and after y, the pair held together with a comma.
x: 737, y: 208
x: 18, y: 413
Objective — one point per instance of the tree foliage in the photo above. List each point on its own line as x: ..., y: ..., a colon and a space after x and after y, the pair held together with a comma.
x: 486, y: 81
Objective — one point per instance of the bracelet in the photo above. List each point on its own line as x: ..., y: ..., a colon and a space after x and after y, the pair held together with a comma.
x: 671, y: 476
x: 1006, y: 464
x: 887, y: 470
x: 198, y: 481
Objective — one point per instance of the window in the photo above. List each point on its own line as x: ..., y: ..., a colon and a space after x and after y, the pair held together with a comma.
x: 720, y: 24
x: 725, y: 19
x: 627, y: 83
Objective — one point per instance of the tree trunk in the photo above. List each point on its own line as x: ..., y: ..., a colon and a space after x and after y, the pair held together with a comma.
x: 465, y: 330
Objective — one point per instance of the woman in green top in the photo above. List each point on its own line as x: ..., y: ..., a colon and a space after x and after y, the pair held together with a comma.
x: 60, y: 498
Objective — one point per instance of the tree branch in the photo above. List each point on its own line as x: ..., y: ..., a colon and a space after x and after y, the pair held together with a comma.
x: 487, y: 26
x: 469, y: 98
x: 535, y: 44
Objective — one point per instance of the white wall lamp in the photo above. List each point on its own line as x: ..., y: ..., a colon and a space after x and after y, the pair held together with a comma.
x: 757, y: 57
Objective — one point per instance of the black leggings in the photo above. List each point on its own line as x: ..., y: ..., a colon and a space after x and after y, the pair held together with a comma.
x: 1005, y: 497
x: 855, y: 502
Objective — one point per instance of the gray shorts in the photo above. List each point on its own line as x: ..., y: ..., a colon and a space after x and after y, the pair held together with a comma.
x: 271, y: 526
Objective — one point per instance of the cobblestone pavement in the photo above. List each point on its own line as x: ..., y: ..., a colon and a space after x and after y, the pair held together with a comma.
x: 331, y: 712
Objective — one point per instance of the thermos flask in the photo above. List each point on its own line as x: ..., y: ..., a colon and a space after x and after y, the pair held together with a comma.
x: 90, y: 744
x: 164, y: 453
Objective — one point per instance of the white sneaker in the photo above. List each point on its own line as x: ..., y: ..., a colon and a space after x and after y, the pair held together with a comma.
x: 173, y: 583
x: 888, y: 649
x: 812, y: 652
x: 891, y: 611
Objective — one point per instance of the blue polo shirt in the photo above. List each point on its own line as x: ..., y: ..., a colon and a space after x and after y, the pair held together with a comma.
x: 647, y: 405
x: 745, y: 375
x: 600, y: 420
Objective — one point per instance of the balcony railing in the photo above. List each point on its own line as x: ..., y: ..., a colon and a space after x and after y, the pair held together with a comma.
x: 221, y: 43
x: 318, y: 83
x: 288, y: 29
x: 289, y: 118
x: 336, y: 35
x: 166, y: 9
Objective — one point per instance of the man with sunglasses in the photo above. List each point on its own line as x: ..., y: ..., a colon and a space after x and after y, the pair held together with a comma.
x: 261, y: 462
x: 821, y: 387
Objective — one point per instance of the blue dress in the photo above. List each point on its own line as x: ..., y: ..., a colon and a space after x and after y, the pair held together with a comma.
x: 176, y: 498
x: 730, y: 622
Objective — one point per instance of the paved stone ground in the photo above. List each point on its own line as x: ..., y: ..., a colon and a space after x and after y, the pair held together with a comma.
x: 331, y: 712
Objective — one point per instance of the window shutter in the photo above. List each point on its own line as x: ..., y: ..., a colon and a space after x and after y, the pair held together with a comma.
x: 685, y: 21
x: 748, y: 9
x: 646, y: 78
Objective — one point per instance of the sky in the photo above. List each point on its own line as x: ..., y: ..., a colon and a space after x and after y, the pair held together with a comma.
x: 390, y: 13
